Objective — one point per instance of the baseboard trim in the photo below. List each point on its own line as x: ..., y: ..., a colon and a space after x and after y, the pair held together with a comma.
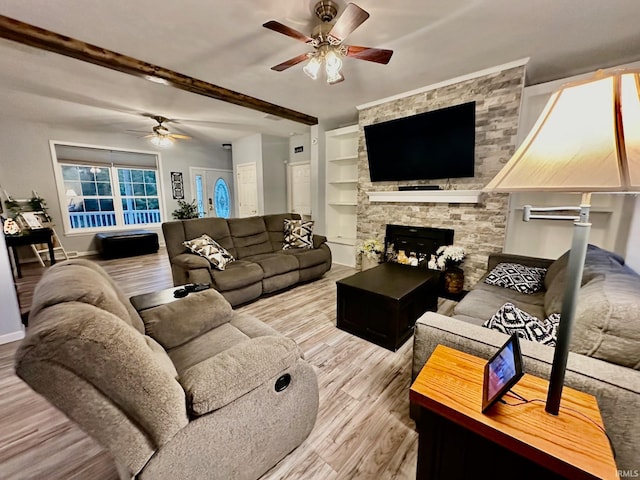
x: 11, y: 337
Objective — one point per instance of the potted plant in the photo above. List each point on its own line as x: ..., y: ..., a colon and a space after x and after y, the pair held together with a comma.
x: 370, y: 251
x: 185, y: 210
x: 449, y: 258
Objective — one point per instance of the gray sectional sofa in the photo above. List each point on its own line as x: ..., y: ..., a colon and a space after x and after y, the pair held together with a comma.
x: 261, y: 265
x: 206, y: 393
x: 605, y: 348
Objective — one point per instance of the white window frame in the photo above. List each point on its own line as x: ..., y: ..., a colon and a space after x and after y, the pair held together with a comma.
x: 115, y: 185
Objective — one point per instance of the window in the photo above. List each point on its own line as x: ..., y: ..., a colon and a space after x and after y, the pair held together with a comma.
x: 102, y: 189
x: 222, y: 200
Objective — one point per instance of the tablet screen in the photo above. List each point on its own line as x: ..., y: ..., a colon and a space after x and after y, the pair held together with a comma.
x: 502, y: 372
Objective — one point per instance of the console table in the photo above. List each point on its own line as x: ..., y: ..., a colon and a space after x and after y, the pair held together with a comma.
x: 457, y: 441
x: 35, y: 236
x: 383, y: 303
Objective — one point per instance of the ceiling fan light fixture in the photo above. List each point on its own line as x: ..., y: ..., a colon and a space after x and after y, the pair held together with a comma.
x: 312, y: 67
x: 334, y: 78
x: 333, y: 63
x: 161, y: 141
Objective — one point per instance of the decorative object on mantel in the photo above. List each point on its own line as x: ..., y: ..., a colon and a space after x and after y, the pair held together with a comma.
x: 370, y: 251
x: 449, y: 258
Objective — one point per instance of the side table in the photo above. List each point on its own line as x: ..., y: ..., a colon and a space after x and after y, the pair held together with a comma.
x: 523, y: 441
x: 35, y: 236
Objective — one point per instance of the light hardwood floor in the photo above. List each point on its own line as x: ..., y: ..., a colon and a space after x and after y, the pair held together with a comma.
x: 363, y: 430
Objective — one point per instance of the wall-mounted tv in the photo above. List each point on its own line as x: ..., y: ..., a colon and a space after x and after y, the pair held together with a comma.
x: 432, y: 145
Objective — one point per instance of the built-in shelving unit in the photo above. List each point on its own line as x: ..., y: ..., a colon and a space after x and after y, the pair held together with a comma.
x: 427, y: 196
x: 342, y: 192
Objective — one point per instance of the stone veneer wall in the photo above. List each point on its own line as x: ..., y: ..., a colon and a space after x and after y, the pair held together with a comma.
x: 479, y: 228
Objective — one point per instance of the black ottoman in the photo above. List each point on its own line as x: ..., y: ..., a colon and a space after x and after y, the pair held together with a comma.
x: 127, y: 244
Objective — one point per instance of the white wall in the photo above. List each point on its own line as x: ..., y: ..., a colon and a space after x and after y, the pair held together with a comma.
x: 10, y: 323
x: 26, y: 165
x: 275, y: 153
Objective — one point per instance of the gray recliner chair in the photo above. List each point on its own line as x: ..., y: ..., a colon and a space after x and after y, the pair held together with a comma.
x: 205, y: 393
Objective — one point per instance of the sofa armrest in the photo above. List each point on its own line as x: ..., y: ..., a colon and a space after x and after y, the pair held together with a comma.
x: 616, y: 388
x: 319, y: 240
x: 496, y: 258
x: 191, y: 261
x: 219, y: 380
x: 177, y: 322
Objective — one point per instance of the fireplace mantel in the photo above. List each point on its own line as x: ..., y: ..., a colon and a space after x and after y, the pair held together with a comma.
x: 426, y: 196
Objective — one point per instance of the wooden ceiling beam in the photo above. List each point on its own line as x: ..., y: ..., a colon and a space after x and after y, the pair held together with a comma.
x: 37, y: 37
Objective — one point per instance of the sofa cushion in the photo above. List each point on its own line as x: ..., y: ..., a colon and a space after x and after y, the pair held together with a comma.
x: 81, y: 285
x: 307, y: 257
x: 219, y: 380
x: 607, y: 321
x: 275, y: 228
x: 161, y: 357
x: 207, y: 247
x: 485, y: 300
x: 250, y: 236
x: 177, y: 322
x: 298, y: 234
x: 510, y: 319
x: 274, y: 263
x: 216, y: 228
x: 237, y: 274
x: 597, y: 262
x: 520, y: 278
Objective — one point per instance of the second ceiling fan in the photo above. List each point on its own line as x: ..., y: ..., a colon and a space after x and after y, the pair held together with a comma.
x: 326, y: 39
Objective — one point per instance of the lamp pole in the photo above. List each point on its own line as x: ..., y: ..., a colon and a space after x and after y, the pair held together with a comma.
x: 575, y: 266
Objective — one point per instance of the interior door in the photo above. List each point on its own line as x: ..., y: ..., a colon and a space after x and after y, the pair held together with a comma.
x: 300, y: 188
x: 247, y: 177
x: 213, y: 191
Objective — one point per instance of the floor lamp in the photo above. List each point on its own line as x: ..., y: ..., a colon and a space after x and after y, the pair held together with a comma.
x: 586, y: 140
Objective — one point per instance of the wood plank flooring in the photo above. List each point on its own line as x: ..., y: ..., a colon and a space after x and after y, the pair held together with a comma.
x: 363, y: 429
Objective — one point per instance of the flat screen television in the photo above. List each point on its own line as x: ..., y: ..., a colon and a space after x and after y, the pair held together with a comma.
x: 432, y: 145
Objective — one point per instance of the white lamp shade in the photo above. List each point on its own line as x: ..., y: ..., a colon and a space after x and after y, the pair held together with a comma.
x: 587, y: 139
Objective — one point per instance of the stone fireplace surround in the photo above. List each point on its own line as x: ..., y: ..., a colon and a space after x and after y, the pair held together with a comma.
x: 479, y: 227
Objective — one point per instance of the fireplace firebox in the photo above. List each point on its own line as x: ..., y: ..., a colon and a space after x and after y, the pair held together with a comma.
x: 417, y: 244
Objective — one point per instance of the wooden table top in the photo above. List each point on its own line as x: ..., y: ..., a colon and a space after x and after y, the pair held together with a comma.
x: 391, y: 279
x: 450, y: 385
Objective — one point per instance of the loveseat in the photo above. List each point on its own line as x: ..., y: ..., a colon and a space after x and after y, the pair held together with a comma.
x: 261, y: 265
x: 205, y: 393
x: 605, y: 347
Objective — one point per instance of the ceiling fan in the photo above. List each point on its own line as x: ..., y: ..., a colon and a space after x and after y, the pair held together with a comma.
x: 161, y: 136
x: 326, y: 39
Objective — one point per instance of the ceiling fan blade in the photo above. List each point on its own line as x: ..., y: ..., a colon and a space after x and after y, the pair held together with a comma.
x: 290, y: 63
x: 378, y: 55
x: 288, y: 31
x: 352, y: 17
x: 179, y: 136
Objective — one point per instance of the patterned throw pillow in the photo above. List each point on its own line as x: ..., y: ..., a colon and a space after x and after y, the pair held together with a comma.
x: 298, y: 234
x: 208, y: 248
x: 517, y: 277
x: 510, y: 319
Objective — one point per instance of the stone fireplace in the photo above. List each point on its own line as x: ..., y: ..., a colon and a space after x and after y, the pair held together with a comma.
x: 479, y: 225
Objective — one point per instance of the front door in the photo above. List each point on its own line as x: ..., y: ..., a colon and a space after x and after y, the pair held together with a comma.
x: 213, y: 191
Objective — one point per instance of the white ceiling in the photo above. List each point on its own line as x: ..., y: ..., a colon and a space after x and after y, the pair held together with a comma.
x: 224, y: 43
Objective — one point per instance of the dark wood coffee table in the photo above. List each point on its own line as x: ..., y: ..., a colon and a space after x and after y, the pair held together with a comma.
x: 382, y: 304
